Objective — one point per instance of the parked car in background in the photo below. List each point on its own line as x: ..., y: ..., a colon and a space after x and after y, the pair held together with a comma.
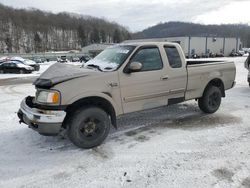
x: 15, y: 67
x: 75, y: 59
x: 235, y: 54
x: 39, y: 60
x: 28, y: 62
x: 84, y: 58
x: 212, y: 55
x: 219, y: 55
x: 205, y: 55
x: 62, y: 59
x: 195, y: 56
x: 241, y: 52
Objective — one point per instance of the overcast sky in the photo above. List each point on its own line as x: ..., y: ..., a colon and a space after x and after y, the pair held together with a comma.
x: 137, y: 15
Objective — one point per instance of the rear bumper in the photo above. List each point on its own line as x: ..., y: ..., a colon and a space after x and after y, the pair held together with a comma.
x: 46, y: 122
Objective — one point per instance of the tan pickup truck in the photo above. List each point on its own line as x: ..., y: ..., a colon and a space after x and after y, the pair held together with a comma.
x: 122, y: 79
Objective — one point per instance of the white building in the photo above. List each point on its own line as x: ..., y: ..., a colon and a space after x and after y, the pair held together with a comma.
x: 202, y: 45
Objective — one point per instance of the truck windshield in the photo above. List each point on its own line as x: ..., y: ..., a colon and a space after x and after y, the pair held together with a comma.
x: 111, y: 58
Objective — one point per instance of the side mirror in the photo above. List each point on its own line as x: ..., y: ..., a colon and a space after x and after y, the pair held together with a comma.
x: 134, y: 67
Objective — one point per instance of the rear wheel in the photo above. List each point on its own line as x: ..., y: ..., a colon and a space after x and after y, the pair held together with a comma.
x: 22, y: 71
x: 88, y: 127
x: 211, y: 100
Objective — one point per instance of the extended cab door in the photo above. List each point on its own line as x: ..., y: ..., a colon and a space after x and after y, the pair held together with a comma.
x: 177, y: 73
x: 161, y: 81
x: 149, y: 87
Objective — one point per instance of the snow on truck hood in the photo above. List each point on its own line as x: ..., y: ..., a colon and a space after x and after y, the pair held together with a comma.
x: 103, y: 65
x: 59, y: 73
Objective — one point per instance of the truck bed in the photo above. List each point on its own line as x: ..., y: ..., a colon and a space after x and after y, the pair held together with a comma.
x: 202, y: 71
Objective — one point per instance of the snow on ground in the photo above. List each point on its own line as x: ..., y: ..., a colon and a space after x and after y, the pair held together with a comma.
x: 175, y: 146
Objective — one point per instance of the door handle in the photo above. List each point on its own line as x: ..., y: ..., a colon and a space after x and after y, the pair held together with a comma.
x: 164, y: 77
x: 113, y: 84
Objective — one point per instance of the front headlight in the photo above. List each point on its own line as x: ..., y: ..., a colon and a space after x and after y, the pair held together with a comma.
x: 48, y: 97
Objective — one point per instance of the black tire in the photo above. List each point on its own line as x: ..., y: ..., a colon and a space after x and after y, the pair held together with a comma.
x: 211, y: 100
x: 88, y: 127
x: 21, y: 71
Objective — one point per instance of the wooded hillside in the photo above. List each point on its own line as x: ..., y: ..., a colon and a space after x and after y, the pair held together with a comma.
x: 176, y: 29
x: 32, y: 30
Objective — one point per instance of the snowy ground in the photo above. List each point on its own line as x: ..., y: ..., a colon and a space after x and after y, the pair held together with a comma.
x: 176, y: 146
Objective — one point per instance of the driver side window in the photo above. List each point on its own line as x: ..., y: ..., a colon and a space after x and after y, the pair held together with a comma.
x: 149, y: 57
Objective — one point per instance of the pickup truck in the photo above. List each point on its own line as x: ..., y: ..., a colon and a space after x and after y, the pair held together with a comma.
x: 122, y: 79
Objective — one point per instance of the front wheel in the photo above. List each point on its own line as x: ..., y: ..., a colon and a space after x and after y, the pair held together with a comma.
x: 88, y: 127
x: 211, y: 100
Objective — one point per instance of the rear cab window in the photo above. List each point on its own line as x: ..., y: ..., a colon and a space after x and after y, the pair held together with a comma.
x: 173, y: 56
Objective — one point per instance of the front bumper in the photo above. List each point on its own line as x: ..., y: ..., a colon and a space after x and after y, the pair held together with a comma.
x: 36, y: 67
x: 46, y: 122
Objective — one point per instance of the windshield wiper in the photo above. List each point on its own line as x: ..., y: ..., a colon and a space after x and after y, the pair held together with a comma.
x: 95, y: 66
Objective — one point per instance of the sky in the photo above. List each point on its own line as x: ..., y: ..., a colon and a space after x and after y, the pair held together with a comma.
x: 137, y: 15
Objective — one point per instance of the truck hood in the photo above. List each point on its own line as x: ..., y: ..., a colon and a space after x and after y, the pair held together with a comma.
x: 59, y: 73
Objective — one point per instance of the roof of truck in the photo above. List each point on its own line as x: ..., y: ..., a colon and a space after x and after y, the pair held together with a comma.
x: 146, y: 43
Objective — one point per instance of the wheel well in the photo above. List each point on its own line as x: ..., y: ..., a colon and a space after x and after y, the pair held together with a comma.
x: 93, y: 101
x: 217, y: 83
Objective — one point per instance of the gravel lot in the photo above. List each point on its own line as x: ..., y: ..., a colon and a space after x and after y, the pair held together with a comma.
x: 175, y: 146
